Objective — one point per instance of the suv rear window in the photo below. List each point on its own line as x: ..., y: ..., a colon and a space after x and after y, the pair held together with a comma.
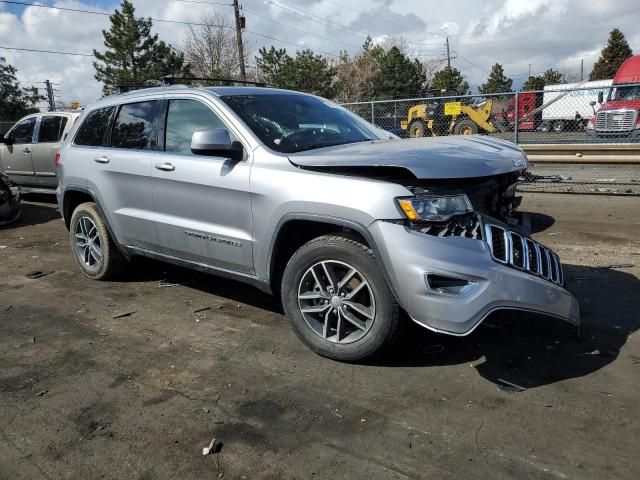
x: 92, y: 131
x: 134, y: 126
x: 51, y: 128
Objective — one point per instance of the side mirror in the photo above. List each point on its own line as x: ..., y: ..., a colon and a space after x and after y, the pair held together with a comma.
x: 600, y: 97
x: 8, y: 140
x: 215, y: 142
x: 592, y: 103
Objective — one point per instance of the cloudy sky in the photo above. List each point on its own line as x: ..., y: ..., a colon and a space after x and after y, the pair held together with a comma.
x: 516, y: 33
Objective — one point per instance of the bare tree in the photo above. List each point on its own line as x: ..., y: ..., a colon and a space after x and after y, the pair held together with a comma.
x: 211, y: 48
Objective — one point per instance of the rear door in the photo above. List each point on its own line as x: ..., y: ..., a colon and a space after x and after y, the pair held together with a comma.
x: 48, y: 142
x: 121, y: 174
x: 203, y: 204
x: 16, y: 158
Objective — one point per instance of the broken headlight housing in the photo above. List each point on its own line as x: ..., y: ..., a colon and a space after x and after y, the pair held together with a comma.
x: 434, y: 208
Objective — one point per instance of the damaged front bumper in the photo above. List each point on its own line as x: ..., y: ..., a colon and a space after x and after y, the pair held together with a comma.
x: 452, y: 284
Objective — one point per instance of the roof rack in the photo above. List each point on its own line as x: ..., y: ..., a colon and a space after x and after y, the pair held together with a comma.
x: 187, y: 81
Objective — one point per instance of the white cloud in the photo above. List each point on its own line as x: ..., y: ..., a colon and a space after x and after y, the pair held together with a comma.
x: 543, y: 33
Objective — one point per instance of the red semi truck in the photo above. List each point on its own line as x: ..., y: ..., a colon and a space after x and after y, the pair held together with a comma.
x: 618, y: 118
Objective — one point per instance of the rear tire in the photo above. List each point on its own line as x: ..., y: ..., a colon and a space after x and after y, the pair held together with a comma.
x: 93, y: 248
x: 417, y: 129
x: 558, y: 126
x: 337, y: 300
x: 465, y: 127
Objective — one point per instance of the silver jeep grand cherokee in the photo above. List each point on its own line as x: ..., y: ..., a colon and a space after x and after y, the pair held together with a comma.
x: 296, y: 195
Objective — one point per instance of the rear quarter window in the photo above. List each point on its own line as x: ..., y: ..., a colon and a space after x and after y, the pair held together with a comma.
x: 93, y: 130
x: 51, y: 128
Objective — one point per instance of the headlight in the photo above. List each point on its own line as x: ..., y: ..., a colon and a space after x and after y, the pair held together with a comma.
x: 435, y: 208
x: 591, y: 124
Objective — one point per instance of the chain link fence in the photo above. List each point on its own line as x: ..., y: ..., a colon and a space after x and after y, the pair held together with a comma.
x: 582, y: 114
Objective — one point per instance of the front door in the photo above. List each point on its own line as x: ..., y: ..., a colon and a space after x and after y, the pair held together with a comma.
x: 203, y: 205
x: 48, y: 142
x: 16, y: 158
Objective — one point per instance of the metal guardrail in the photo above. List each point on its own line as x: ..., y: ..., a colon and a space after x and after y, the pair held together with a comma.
x: 602, y: 154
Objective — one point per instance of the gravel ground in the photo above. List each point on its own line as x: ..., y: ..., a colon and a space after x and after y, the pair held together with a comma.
x: 84, y: 394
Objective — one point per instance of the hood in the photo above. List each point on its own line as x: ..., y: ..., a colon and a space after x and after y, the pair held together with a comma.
x: 431, y: 158
x: 620, y: 104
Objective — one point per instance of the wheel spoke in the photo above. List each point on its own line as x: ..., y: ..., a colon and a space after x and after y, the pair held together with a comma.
x: 349, y: 317
x: 346, y: 278
x: 325, y: 327
x: 311, y: 296
x: 355, y: 291
x: 339, y: 327
x: 315, y: 309
x: 87, y: 255
x: 361, y: 309
x: 96, y: 251
x: 328, y: 270
x: 317, y: 279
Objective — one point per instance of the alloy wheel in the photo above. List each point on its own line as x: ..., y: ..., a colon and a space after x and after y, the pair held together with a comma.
x: 87, y: 242
x: 336, y: 301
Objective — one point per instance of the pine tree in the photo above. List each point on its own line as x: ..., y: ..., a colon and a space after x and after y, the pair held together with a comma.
x: 497, y: 81
x: 398, y: 76
x: 15, y: 102
x: 611, y: 57
x: 550, y: 77
x: 134, y: 55
x: 450, y: 81
x: 306, y: 72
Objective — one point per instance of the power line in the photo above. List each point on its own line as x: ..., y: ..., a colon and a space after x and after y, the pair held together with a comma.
x: 47, y: 51
x: 94, y: 12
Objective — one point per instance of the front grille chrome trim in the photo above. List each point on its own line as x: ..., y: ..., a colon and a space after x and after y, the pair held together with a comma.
x: 507, y: 246
x: 623, y: 120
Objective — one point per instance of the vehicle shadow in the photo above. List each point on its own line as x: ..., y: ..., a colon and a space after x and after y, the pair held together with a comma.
x: 35, y: 209
x: 532, y: 350
x: 522, y: 348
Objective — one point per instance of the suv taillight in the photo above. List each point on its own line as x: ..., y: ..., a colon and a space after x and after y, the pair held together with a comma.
x: 58, y: 160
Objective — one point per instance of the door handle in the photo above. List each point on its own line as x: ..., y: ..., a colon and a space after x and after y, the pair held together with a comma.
x: 26, y: 150
x: 101, y: 160
x: 165, y: 167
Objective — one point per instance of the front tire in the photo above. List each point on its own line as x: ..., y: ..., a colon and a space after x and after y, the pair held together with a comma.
x: 417, y: 129
x: 93, y: 248
x: 337, y: 300
x: 465, y: 127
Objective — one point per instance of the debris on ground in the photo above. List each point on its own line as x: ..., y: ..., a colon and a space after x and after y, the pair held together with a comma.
x: 635, y: 359
x: 203, y: 309
x: 42, y: 393
x: 433, y: 349
x: 621, y: 265
x: 2, y: 247
x: 509, y: 387
x: 38, y: 274
x: 214, y: 447
x: 593, y: 352
x: 8, y: 308
x: 125, y: 314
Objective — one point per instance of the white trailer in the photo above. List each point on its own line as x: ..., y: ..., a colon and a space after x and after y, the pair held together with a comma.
x: 573, y: 110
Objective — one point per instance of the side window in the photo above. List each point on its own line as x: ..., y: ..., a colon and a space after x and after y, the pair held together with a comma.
x: 94, y: 127
x: 134, y: 126
x: 51, y: 128
x: 23, y: 132
x: 185, y: 117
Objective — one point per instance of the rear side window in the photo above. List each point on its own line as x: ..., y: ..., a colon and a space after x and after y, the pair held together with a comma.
x: 92, y: 131
x: 134, y: 126
x: 185, y: 117
x: 51, y: 128
x: 23, y: 132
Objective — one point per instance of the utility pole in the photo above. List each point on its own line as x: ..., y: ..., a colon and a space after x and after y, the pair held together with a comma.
x: 239, y: 26
x: 50, y: 97
x: 448, y: 55
x: 529, y: 71
x: 581, y: 69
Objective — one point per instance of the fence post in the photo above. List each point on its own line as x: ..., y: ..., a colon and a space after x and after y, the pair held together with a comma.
x: 515, y: 123
x: 373, y: 118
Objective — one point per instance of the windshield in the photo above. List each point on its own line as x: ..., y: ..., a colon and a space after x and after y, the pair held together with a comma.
x: 631, y: 92
x: 295, y: 123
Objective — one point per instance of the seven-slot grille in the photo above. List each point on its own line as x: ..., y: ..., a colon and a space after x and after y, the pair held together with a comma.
x: 616, y: 120
x: 515, y: 250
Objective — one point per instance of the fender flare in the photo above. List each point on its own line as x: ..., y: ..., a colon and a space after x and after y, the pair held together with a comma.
x: 337, y: 221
